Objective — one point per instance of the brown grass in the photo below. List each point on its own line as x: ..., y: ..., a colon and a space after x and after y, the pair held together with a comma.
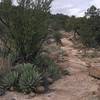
x: 4, y: 65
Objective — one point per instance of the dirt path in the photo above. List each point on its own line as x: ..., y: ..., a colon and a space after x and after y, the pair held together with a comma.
x: 78, y: 86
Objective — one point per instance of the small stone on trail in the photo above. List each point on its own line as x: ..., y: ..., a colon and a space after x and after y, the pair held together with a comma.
x: 50, y: 80
x: 40, y: 89
x: 32, y: 94
x: 11, y: 89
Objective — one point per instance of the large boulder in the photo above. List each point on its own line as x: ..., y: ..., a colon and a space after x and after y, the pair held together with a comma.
x: 94, y: 70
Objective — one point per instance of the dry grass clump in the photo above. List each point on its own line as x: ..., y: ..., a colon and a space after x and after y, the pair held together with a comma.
x: 4, y: 65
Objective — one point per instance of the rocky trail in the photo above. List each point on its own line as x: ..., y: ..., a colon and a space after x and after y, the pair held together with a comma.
x: 77, y: 86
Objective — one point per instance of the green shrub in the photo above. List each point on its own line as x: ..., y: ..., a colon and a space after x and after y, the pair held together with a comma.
x: 57, y: 37
x: 48, y: 65
x: 42, y: 61
x: 22, y: 35
x: 19, y: 68
x: 29, y: 79
x: 9, y: 80
x: 54, y: 71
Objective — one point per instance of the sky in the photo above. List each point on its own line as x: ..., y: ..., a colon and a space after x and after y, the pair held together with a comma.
x: 73, y: 7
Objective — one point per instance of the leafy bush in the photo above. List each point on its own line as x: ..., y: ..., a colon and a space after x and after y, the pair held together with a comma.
x: 9, y: 80
x: 29, y: 79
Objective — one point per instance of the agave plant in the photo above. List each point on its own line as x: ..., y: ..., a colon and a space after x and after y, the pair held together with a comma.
x: 30, y: 78
x: 9, y: 80
x: 20, y: 68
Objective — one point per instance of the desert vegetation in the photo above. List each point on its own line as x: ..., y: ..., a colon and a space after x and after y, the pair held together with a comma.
x: 33, y: 45
x: 23, y: 30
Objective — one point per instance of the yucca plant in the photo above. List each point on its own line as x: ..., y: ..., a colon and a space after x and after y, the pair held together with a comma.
x: 9, y: 80
x: 29, y: 79
x: 20, y: 68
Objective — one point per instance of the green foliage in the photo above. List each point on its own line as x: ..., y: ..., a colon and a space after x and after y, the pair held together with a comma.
x: 57, y: 22
x: 26, y: 26
x: 53, y: 71
x: 57, y: 37
x: 25, y: 78
x: 88, y: 27
x: 48, y: 66
x: 73, y: 24
x: 89, y: 31
x: 42, y: 61
x: 29, y: 79
x: 12, y: 57
x: 92, y: 12
x: 20, y: 68
x: 70, y: 24
x: 3, y: 52
x: 9, y: 80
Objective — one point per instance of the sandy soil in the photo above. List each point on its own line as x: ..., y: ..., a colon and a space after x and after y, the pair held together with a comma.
x: 78, y: 86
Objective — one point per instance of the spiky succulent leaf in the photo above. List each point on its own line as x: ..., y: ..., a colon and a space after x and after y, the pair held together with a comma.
x: 9, y: 80
x: 30, y: 78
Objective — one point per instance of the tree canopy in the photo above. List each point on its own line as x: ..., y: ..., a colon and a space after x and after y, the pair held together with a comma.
x: 88, y: 27
x: 24, y: 27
